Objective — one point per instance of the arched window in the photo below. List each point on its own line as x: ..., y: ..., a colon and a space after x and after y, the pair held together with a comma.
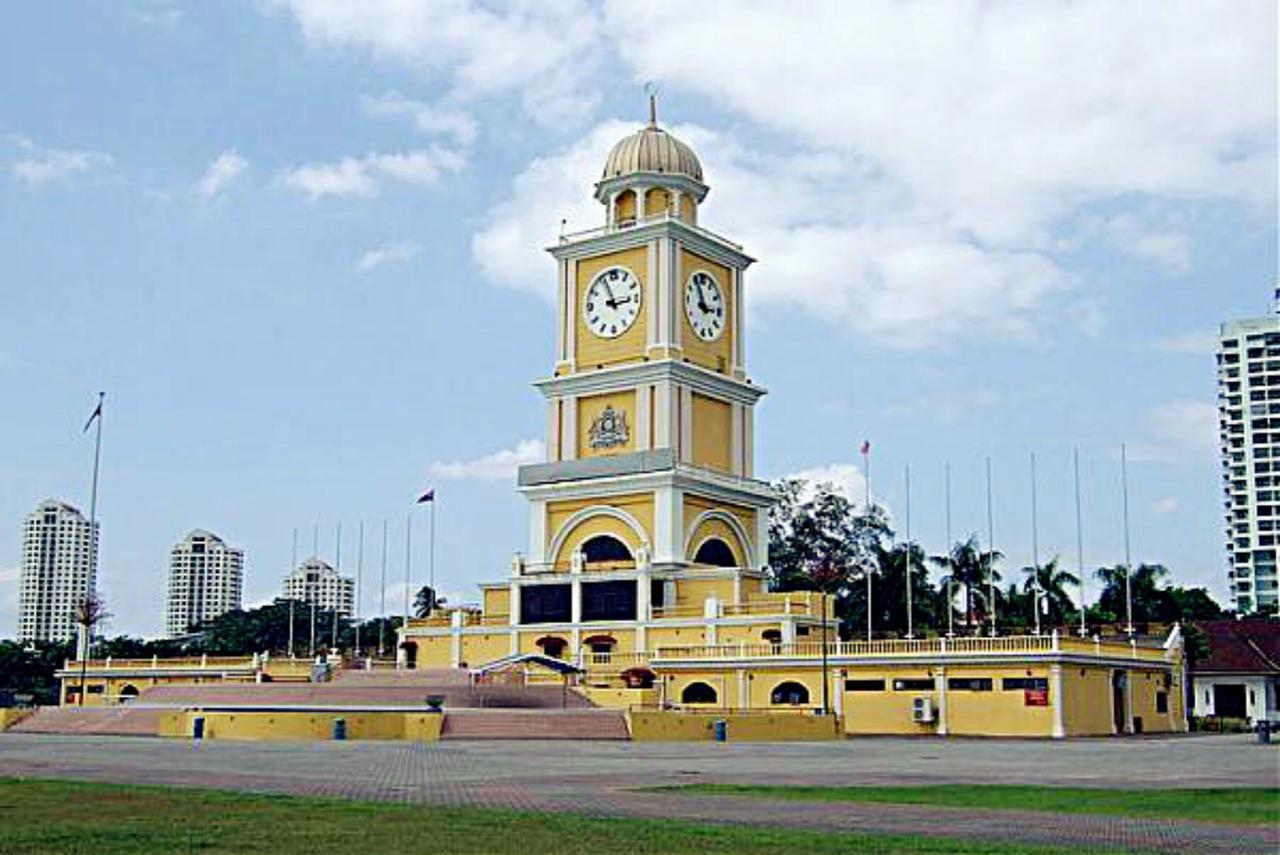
x: 553, y: 646
x: 698, y: 693
x: 128, y: 692
x: 601, y: 645
x: 790, y: 692
x: 605, y: 547
x: 715, y: 552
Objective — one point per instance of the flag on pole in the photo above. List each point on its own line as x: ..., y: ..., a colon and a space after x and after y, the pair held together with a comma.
x: 429, y: 496
x: 97, y: 414
x: 866, y: 446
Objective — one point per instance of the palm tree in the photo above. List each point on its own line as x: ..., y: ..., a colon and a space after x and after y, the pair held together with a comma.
x: 1145, y: 583
x: 89, y: 611
x: 1052, y: 582
x: 425, y: 601
x: 969, y: 566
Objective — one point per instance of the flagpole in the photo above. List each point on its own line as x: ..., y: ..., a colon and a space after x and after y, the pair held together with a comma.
x: 1075, y: 462
x: 432, y: 553
x: 311, y: 595
x: 1128, y: 566
x: 382, y: 594
x: 337, y: 560
x: 991, y: 554
x: 951, y: 593
x: 866, y: 482
x: 910, y: 625
x: 87, y: 631
x: 1035, y: 547
x: 359, y: 582
x: 293, y: 567
x: 408, y: 562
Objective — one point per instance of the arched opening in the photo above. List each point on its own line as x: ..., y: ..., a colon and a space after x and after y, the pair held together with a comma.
x: 638, y: 678
x: 604, y: 547
x: 600, y: 645
x: 715, y: 552
x: 410, y: 649
x: 128, y: 692
x: 698, y: 693
x: 553, y: 646
x: 790, y: 692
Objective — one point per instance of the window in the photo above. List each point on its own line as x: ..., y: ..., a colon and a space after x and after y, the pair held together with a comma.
x: 969, y: 684
x: 790, y: 692
x: 1162, y: 702
x: 545, y: 603
x: 609, y: 601
x: 1022, y: 684
x: 864, y: 685
x: 605, y: 547
x: 715, y: 552
x: 698, y: 693
x: 914, y: 685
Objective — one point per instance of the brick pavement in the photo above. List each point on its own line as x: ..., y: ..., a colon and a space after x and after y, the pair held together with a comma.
x: 602, y: 779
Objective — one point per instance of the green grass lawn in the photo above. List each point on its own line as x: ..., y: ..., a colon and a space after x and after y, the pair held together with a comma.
x: 68, y: 818
x: 1244, y: 806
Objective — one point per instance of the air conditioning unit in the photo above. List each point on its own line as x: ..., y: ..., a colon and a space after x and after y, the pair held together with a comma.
x: 922, y: 710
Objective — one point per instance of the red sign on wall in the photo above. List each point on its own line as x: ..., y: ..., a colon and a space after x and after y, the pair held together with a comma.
x: 1035, y: 697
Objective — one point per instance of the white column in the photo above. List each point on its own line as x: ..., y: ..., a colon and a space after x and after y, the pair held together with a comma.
x: 613, y: 209
x: 739, y: 349
x: 744, y: 702
x: 553, y: 430
x: 838, y: 692
x: 711, y: 613
x: 642, y: 196
x: 643, y: 415
x: 1057, y: 702
x: 569, y: 431
x: 677, y: 210
x: 676, y: 289
x: 653, y: 285
x: 513, y: 603
x: 538, y: 531
x: 455, y: 641
x: 571, y: 310
x: 643, y: 590
x: 941, y: 677
x: 686, y: 424
x: 762, y: 538
x: 668, y: 525
x: 1128, y: 702
x: 562, y: 286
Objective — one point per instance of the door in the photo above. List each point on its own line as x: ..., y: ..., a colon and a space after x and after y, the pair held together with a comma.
x: 1119, y: 712
x: 1229, y: 700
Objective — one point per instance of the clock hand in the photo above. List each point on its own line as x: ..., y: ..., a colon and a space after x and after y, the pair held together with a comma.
x: 702, y: 297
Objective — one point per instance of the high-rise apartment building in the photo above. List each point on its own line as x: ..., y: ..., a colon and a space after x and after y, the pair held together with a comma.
x: 315, y: 581
x: 1249, y: 432
x: 58, y: 569
x: 206, y: 578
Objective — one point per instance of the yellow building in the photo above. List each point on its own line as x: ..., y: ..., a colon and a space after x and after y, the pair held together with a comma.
x: 648, y: 534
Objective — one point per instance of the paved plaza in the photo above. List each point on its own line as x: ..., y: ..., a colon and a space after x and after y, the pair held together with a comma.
x: 603, y: 779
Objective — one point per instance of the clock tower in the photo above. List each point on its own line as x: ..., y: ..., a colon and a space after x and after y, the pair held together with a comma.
x: 646, y: 503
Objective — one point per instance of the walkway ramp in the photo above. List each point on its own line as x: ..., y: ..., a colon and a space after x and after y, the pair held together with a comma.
x: 95, y: 721
x: 535, y: 724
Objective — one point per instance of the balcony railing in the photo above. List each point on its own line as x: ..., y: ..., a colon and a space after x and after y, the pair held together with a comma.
x: 911, y: 648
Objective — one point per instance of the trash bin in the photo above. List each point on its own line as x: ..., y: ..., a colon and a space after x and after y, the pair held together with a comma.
x: 1264, y: 731
x: 722, y: 730
x: 197, y: 727
x: 339, y: 729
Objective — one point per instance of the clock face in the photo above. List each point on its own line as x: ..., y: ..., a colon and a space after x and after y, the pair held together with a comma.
x: 612, y: 302
x: 704, y: 306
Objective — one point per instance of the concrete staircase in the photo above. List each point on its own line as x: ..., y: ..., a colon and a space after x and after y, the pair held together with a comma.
x: 535, y: 724
x: 94, y: 721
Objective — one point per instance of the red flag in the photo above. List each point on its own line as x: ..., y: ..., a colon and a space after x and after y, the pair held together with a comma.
x: 866, y: 446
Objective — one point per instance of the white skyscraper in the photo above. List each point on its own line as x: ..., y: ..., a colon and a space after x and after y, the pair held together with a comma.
x: 58, y: 569
x: 316, y: 581
x: 1249, y: 432
x: 205, y: 580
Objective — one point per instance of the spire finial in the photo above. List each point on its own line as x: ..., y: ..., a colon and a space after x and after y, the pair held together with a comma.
x: 651, y: 89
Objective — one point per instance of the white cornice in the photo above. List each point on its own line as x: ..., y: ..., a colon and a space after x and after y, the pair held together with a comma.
x: 696, y: 377
x: 701, y: 241
x: 713, y: 485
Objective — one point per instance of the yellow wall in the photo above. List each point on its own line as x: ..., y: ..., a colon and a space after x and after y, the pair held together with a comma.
x: 756, y: 727
x: 480, y: 649
x: 308, y: 726
x: 716, y: 355
x: 694, y: 592
x: 615, y: 698
x: 593, y: 351
x: 997, y: 712
x: 657, y: 202
x: 626, y: 203
x: 712, y: 432
x: 695, y: 505
x: 665, y: 636
x: 884, y: 712
x: 497, y: 601
x: 590, y: 408
x: 639, y: 505
x: 1087, y: 707
x: 688, y: 209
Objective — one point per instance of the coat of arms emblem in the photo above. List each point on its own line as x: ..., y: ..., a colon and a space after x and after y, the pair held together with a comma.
x: 609, y: 429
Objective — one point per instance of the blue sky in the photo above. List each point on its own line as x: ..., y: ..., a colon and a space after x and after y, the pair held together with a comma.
x: 298, y: 245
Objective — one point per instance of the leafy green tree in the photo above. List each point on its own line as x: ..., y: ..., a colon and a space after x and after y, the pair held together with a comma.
x: 1144, y: 584
x: 28, y: 669
x: 425, y: 601
x: 1053, y: 582
x: 967, y: 566
x: 889, y: 593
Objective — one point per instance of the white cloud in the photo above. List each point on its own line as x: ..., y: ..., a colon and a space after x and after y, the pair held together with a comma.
x: 1167, y: 505
x: 498, y: 466
x: 545, y: 52
x: 1163, y: 247
x: 224, y: 169
x: 846, y: 478
x: 363, y: 177
x: 46, y: 165
x: 397, y: 252
x: 1200, y: 343
x: 1178, y: 430
x: 430, y: 119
